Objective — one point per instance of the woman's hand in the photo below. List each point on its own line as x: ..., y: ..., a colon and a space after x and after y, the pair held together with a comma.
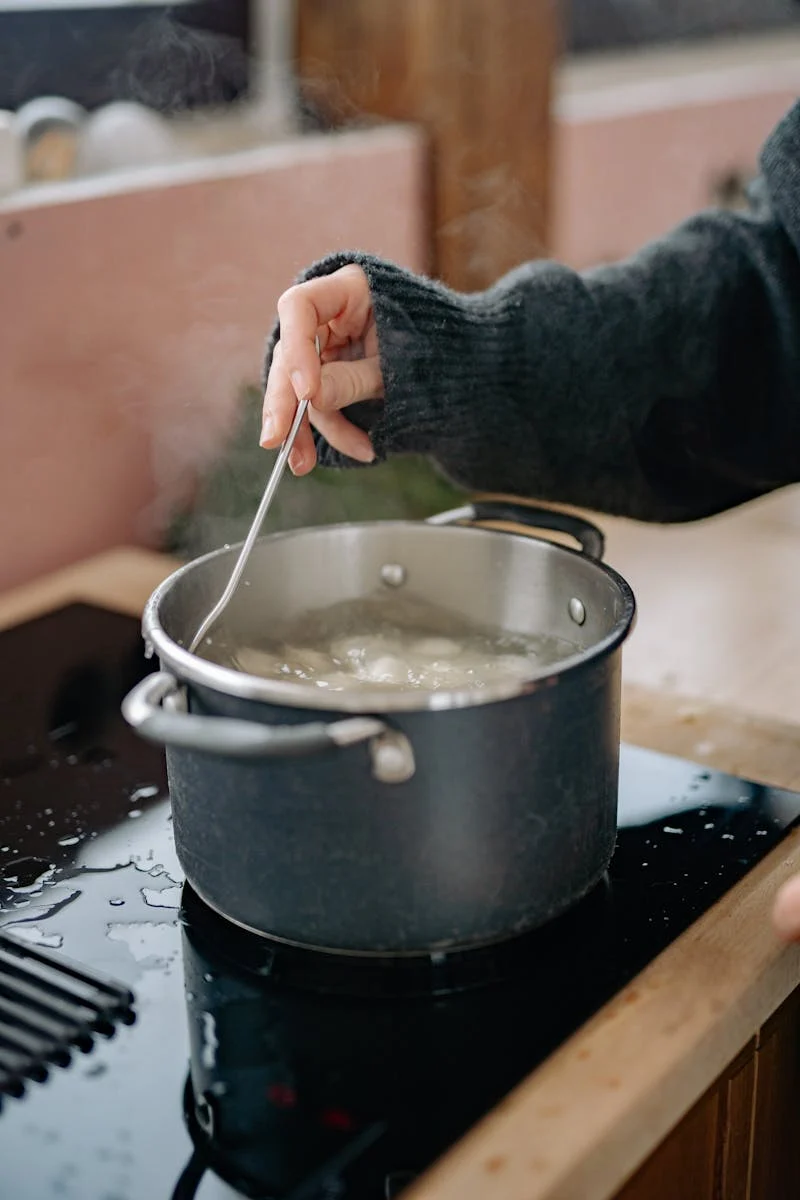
x: 337, y: 309
x: 786, y: 910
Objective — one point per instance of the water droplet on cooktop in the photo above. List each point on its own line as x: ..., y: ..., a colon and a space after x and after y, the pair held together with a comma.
x: 169, y: 897
x: 28, y: 871
x: 71, y: 839
x: 31, y: 889
x: 38, y: 937
x: 708, y: 825
x: 208, y: 977
x: 134, y: 813
x: 145, y: 792
x: 151, y: 943
x: 761, y: 832
x: 672, y: 829
x: 116, y: 901
x: 728, y: 837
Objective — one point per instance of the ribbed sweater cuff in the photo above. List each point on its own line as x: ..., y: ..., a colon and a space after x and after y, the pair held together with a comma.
x: 441, y: 353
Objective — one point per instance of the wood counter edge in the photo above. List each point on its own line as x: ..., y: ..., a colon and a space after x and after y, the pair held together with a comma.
x: 120, y: 579
x: 582, y: 1123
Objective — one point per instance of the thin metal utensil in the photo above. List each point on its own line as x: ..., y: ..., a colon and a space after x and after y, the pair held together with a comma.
x: 263, y: 508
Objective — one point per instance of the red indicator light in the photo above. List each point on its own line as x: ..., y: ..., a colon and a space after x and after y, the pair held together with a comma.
x: 282, y: 1095
x: 338, y: 1119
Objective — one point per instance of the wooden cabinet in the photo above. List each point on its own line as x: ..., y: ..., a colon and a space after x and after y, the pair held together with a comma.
x: 775, y: 1161
x: 476, y: 76
x: 741, y: 1141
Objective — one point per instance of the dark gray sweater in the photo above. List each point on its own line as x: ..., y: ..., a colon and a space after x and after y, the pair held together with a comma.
x: 665, y: 388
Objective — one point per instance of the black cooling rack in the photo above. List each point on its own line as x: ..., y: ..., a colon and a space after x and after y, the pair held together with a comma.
x: 50, y: 1008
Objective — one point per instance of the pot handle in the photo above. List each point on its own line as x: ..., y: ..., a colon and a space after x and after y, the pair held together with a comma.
x: 231, y: 738
x: 588, y: 536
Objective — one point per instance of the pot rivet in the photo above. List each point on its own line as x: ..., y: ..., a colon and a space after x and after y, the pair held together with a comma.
x: 392, y: 757
x: 576, y: 610
x: 393, y: 575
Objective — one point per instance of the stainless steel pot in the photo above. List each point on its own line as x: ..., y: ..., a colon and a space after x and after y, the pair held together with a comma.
x: 432, y: 820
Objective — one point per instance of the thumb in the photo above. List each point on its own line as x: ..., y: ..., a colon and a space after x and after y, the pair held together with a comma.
x: 345, y: 383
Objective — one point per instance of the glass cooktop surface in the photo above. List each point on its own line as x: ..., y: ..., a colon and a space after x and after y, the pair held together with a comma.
x: 256, y: 1071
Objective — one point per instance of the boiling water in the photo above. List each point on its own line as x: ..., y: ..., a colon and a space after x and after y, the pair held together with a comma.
x: 389, y: 643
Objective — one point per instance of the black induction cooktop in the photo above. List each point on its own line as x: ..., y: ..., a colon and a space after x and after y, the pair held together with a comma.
x: 255, y: 1070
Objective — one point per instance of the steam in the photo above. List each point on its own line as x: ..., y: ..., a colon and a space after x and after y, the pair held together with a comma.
x: 170, y: 66
x: 497, y: 222
x: 223, y: 507
x: 162, y: 62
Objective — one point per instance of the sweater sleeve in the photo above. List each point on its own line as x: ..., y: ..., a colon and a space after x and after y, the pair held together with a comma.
x: 665, y: 388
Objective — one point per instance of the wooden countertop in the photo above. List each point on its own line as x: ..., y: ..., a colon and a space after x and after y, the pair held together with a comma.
x: 579, y: 1126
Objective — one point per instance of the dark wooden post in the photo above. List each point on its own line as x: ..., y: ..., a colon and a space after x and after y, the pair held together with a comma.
x: 476, y: 74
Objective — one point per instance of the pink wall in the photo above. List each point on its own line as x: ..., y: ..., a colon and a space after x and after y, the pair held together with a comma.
x: 631, y: 165
x: 132, y: 313
x: 134, y: 309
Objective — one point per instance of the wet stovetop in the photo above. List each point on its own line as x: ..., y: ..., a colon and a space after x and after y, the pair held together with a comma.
x: 305, y: 1083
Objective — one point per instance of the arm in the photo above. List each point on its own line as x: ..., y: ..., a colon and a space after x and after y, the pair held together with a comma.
x: 664, y: 388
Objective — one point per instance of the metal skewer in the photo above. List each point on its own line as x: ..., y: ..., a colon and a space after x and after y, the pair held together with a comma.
x: 263, y: 508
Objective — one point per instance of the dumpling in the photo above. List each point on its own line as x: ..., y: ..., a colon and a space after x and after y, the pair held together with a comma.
x: 257, y: 662
x: 433, y: 648
x: 387, y: 669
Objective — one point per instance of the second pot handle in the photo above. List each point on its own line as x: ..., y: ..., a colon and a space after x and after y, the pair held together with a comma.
x: 588, y: 536
x: 392, y: 758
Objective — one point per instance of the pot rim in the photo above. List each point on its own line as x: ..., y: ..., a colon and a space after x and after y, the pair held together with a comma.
x: 191, y: 668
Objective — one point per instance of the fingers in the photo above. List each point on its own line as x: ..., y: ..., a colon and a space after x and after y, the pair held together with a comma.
x: 280, y: 406
x: 341, y: 300
x: 346, y: 383
x: 337, y: 309
x: 343, y: 435
x: 303, y: 455
x: 280, y: 403
x: 786, y: 911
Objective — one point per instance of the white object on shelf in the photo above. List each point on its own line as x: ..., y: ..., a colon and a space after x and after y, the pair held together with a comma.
x: 124, y: 135
x: 12, y: 167
x: 48, y: 129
